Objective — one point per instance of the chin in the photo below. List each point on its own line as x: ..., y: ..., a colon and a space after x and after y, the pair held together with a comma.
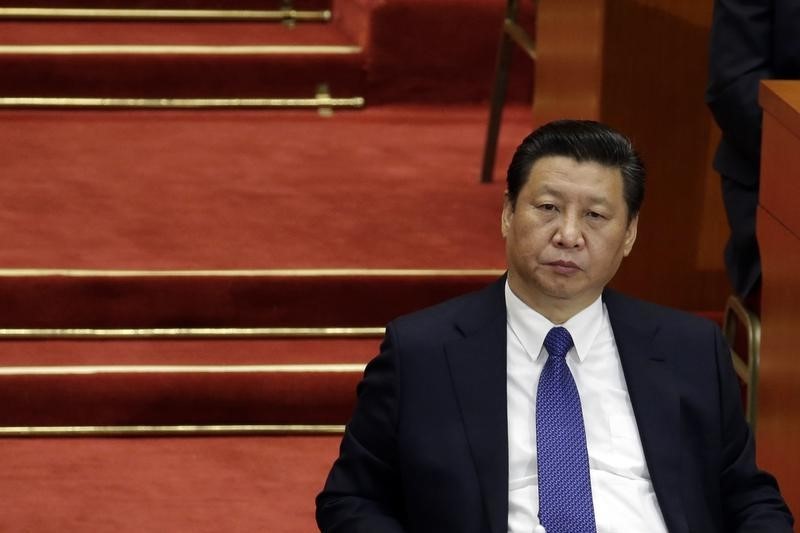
x: 559, y: 292
x: 562, y: 295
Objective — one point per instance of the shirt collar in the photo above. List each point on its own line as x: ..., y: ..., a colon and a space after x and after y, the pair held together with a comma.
x: 531, y: 327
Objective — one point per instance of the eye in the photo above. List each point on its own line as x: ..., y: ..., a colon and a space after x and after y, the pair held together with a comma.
x: 547, y: 207
x: 594, y: 214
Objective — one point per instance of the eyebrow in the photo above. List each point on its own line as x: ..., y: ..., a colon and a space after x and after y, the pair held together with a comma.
x: 593, y: 199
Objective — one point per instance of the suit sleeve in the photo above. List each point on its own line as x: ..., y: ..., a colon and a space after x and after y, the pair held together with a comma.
x: 362, y: 493
x: 750, y: 497
x: 740, y: 55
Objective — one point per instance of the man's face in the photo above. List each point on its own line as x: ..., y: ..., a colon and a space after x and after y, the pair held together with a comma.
x: 567, y: 234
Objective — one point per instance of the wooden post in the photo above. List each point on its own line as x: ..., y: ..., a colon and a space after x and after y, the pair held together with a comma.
x: 778, y: 229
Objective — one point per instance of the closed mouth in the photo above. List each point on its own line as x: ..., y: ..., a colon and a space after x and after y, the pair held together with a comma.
x: 564, y: 267
x: 567, y: 264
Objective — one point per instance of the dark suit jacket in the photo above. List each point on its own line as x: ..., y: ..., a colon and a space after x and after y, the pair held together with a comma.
x: 427, y: 447
x: 751, y: 40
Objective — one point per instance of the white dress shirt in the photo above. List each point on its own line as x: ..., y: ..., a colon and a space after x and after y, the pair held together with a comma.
x: 622, y: 492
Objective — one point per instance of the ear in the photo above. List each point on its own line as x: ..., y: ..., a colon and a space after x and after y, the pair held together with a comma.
x: 630, y: 235
x: 508, y: 212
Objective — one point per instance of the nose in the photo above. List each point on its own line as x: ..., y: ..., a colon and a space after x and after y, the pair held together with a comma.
x: 569, y: 233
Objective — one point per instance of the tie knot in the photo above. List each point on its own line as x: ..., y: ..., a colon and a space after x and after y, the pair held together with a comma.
x: 558, y: 342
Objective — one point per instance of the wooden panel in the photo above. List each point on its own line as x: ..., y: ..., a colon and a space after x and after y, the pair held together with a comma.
x: 641, y: 66
x: 713, y: 225
x: 779, y: 386
x: 569, y: 42
x: 655, y: 72
x: 781, y: 162
x: 690, y: 11
x: 781, y: 98
x: 778, y: 228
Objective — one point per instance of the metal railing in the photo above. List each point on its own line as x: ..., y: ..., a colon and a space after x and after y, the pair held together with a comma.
x: 747, y: 367
x: 512, y: 33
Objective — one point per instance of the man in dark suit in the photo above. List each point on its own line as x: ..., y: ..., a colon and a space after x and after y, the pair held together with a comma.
x: 547, y: 402
x: 751, y: 40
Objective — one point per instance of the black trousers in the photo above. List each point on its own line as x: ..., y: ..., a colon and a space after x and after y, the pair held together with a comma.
x: 742, y: 258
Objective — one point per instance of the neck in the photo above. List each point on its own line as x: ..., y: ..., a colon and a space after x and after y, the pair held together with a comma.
x: 556, y: 310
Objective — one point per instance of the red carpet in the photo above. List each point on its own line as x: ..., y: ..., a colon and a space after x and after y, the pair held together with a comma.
x: 187, y: 352
x: 214, y: 73
x: 189, y: 485
x: 391, y: 187
x: 179, y: 382
x: 87, y: 32
x: 135, y: 398
x: 226, y: 300
x: 448, y: 58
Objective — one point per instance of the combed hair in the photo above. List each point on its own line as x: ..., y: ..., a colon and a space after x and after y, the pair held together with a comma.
x: 583, y: 141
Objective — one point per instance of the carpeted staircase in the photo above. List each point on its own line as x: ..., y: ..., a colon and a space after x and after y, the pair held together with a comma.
x: 196, y: 269
x: 386, y: 51
x: 133, y: 52
x: 269, y: 348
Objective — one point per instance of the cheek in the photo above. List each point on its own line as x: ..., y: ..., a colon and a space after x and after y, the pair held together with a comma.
x: 611, y: 255
x: 525, y: 241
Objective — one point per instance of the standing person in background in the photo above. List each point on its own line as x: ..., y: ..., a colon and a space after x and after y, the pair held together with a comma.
x: 751, y: 40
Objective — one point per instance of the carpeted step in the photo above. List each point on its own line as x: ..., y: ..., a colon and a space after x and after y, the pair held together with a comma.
x: 180, y: 382
x: 176, y: 60
x: 305, y: 373
x: 299, y: 299
x: 134, y: 485
x: 274, y: 11
x: 102, y: 384
x: 387, y: 187
x: 89, y: 33
x: 448, y: 57
x: 285, y: 395
x: 321, y: 350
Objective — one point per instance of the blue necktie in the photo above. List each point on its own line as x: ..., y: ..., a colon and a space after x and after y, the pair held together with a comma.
x: 565, y: 493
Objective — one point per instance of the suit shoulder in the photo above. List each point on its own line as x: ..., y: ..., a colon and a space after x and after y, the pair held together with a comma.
x: 659, y: 315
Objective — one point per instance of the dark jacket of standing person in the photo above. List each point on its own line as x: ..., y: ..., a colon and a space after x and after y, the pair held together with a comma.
x: 751, y: 40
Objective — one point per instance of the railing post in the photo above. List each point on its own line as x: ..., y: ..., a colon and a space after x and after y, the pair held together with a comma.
x: 498, y: 93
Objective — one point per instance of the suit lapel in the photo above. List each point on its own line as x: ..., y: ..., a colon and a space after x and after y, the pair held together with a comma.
x: 656, y: 404
x: 477, y: 365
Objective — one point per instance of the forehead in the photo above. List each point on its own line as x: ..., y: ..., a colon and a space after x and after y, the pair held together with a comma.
x: 566, y: 176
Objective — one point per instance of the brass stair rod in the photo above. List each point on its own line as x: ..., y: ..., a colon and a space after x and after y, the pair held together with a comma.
x: 192, y: 333
x: 184, y: 103
x: 170, y: 430
x: 283, y: 15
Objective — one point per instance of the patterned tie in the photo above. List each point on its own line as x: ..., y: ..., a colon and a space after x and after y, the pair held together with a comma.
x: 565, y: 493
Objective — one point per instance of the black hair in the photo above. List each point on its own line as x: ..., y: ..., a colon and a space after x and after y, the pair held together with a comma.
x: 583, y: 141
